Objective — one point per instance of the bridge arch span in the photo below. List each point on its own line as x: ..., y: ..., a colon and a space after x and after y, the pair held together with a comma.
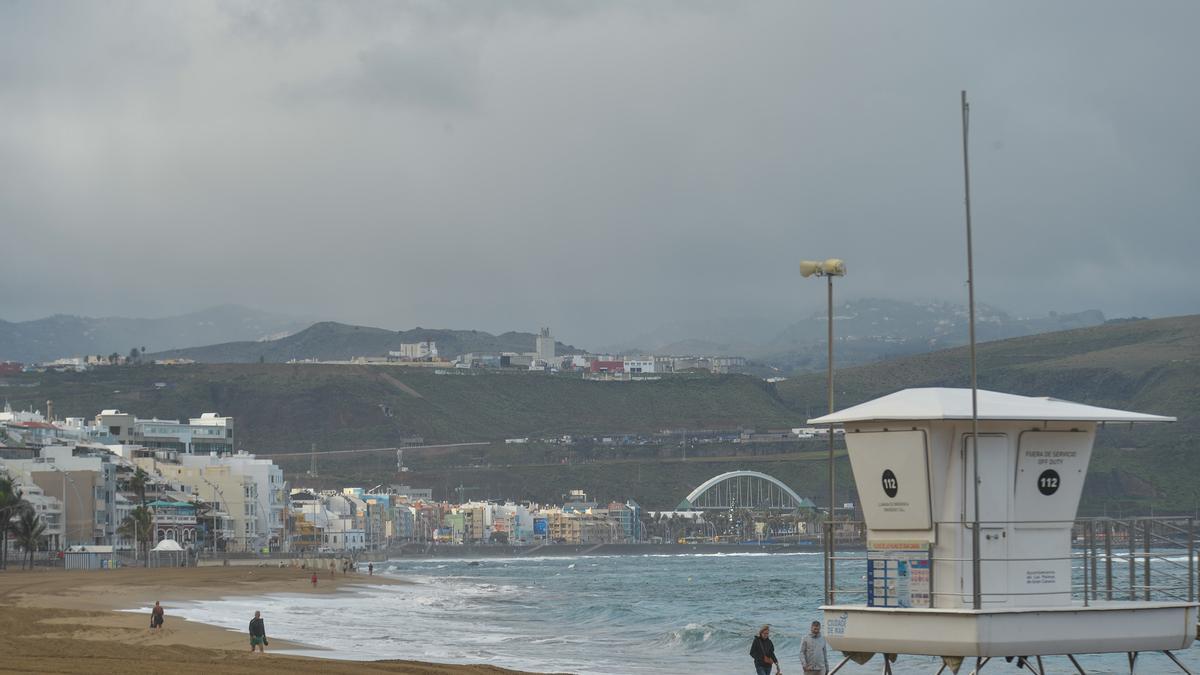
x: 744, y: 489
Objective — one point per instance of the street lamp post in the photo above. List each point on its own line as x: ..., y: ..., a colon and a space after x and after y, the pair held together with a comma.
x: 78, y: 500
x: 829, y: 269
x: 221, y: 496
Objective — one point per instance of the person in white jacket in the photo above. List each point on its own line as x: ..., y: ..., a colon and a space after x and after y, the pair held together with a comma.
x: 814, y: 653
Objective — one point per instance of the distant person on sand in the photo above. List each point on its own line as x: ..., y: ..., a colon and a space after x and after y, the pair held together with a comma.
x: 314, y: 579
x: 763, y: 651
x: 156, y: 616
x: 370, y: 569
x: 332, y: 569
x: 814, y: 653
x: 258, y: 633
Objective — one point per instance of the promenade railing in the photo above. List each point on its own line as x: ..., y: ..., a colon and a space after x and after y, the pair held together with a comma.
x: 1146, y: 558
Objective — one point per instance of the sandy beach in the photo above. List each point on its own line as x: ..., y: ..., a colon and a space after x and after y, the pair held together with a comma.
x: 55, y: 621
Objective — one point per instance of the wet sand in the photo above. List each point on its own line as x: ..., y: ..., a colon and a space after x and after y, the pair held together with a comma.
x: 56, y: 621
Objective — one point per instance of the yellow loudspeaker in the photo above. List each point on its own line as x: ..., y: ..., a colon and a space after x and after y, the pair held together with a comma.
x: 834, y: 267
x: 809, y: 268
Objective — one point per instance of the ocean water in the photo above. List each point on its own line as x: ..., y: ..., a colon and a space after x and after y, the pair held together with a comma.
x: 590, y: 615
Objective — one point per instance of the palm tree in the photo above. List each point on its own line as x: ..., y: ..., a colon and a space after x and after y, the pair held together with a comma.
x: 138, y: 484
x: 138, y: 525
x: 30, y: 530
x: 11, y: 503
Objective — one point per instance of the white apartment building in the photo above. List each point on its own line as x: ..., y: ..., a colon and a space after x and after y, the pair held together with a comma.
x: 234, y: 493
x: 515, y: 520
x: 415, y: 351
x: 48, y: 508
x: 333, y: 517
x: 638, y: 366
x: 544, y: 346
x: 210, y: 432
x: 10, y: 415
x: 342, y: 535
x: 269, y: 494
x: 84, y: 481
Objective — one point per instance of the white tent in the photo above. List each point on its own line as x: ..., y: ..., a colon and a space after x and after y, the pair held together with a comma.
x: 168, y: 546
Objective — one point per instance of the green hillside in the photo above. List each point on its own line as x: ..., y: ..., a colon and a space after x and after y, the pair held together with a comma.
x: 282, y: 407
x: 656, y: 483
x: 1150, y: 366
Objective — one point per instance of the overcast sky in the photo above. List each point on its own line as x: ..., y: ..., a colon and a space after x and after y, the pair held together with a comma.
x: 601, y: 168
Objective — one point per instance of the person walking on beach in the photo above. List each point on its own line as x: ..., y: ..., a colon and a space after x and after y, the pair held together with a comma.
x: 370, y: 569
x: 156, y: 616
x: 258, y: 634
x: 314, y: 579
x: 814, y: 653
x: 763, y: 651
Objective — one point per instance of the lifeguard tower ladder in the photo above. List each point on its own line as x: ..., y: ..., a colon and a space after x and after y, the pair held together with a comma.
x: 911, y: 456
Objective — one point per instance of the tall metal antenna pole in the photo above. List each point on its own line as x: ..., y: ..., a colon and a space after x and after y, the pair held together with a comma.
x: 832, y: 474
x: 976, y: 584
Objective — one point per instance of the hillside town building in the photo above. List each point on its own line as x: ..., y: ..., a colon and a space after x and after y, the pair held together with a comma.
x: 415, y: 351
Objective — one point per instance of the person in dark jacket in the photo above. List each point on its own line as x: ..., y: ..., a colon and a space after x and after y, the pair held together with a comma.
x: 763, y: 651
x: 258, y: 633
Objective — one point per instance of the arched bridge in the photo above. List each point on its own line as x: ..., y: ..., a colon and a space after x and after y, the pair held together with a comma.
x: 744, y: 489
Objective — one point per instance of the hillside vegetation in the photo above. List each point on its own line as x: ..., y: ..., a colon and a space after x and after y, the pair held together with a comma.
x: 282, y: 407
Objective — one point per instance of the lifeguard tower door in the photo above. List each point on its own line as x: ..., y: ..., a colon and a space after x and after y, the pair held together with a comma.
x: 995, y: 489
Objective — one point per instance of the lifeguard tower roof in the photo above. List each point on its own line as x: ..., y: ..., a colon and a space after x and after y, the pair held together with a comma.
x: 943, y: 403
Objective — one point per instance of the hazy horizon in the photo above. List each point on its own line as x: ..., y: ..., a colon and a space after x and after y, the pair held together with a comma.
x: 756, y: 330
x: 602, y: 169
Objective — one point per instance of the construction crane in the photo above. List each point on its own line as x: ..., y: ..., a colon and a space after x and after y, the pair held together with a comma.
x: 462, y: 490
x: 312, y: 465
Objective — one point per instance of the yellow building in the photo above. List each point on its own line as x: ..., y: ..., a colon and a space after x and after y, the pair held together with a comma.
x: 233, y: 493
x: 563, y: 527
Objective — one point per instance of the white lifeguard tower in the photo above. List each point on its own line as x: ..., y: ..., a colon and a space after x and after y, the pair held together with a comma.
x: 911, y: 455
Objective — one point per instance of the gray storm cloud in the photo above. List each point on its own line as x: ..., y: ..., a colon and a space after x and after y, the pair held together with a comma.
x: 601, y: 168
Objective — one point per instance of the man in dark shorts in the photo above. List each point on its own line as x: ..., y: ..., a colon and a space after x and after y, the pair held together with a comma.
x: 258, y: 633
x: 156, y: 616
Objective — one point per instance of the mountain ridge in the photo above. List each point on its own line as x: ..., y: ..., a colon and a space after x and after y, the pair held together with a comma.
x: 867, y: 330
x: 334, y: 341
x: 66, y: 335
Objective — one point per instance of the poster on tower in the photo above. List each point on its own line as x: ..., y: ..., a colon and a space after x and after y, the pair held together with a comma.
x: 891, y: 472
x: 898, y: 574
